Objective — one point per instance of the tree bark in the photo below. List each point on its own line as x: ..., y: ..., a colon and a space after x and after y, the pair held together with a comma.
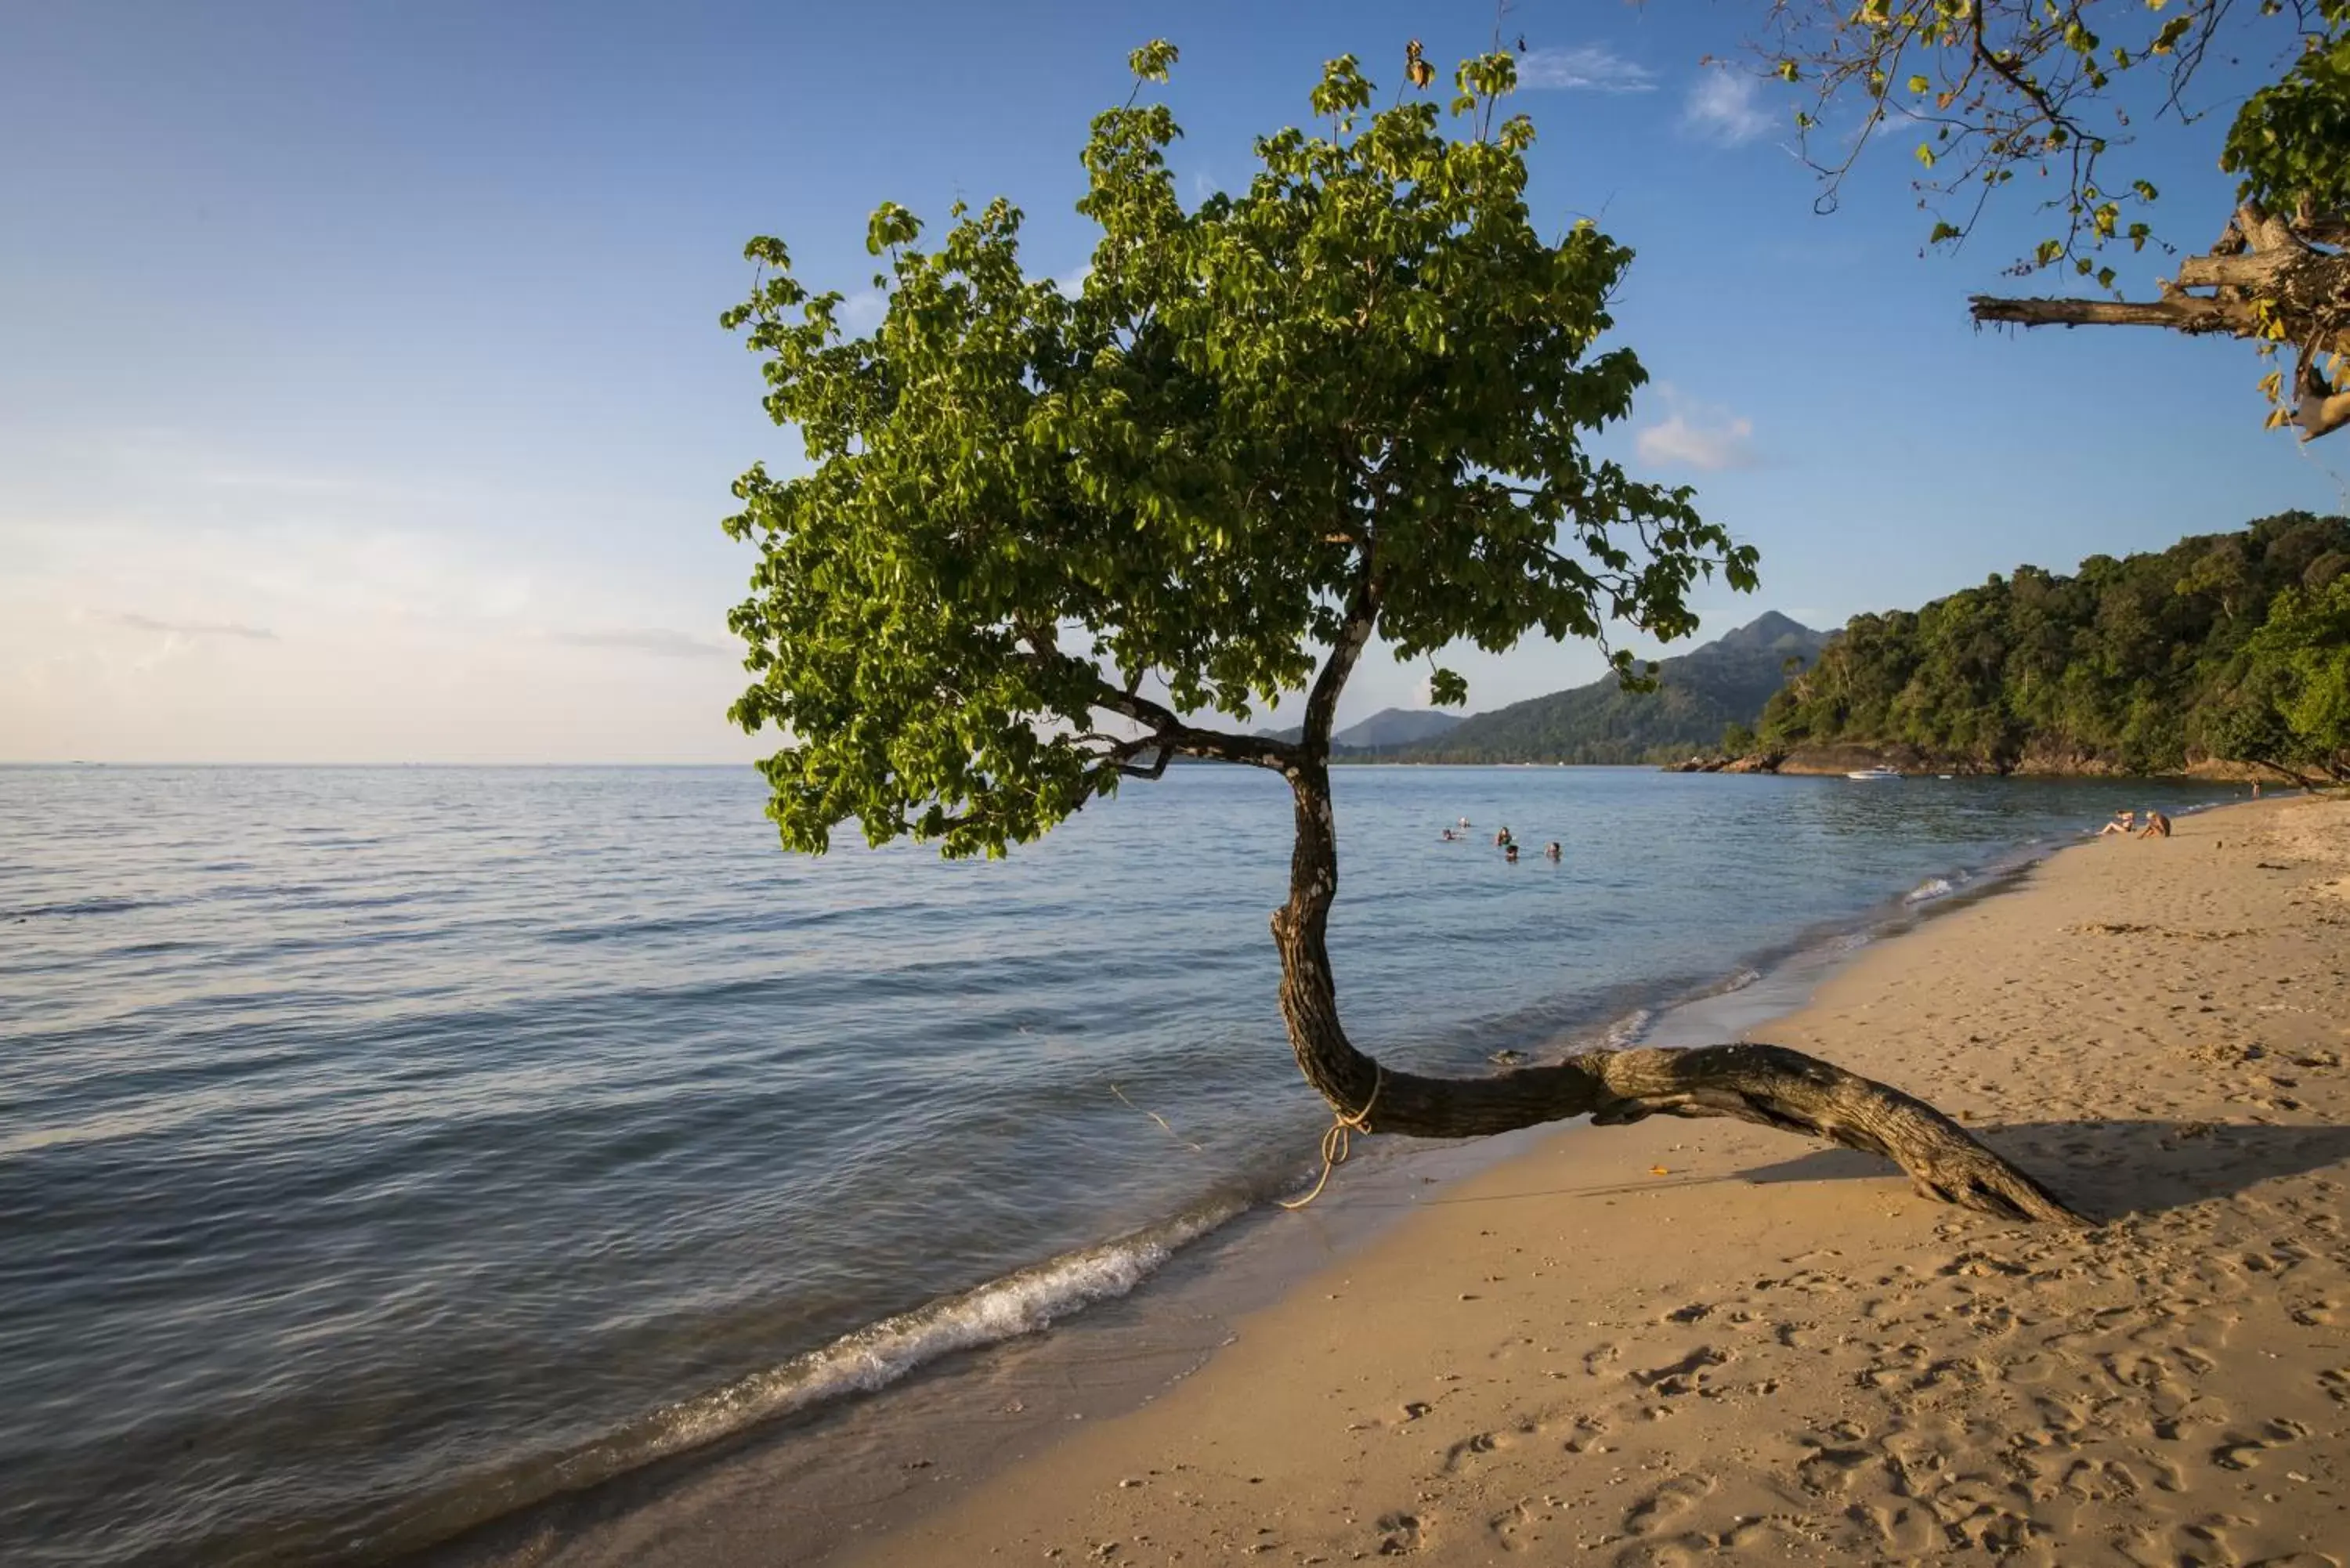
x: 1767, y: 1085
x: 2178, y: 312
x: 2268, y: 279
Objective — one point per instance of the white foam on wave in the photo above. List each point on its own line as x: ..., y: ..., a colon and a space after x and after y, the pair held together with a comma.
x: 1741, y: 981
x: 1931, y: 888
x: 880, y: 1353
x: 1627, y: 1029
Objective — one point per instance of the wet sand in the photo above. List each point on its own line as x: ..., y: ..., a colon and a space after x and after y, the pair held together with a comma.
x: 1701, y: 1342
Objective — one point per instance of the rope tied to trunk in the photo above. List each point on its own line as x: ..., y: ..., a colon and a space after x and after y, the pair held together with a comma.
x: 1337, y: 1138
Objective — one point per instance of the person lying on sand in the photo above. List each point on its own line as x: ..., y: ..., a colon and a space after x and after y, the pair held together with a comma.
x: 2122, y: 823
x: 2157, y: 825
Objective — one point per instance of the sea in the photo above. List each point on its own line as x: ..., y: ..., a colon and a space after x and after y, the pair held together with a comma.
x: 386, y: 1150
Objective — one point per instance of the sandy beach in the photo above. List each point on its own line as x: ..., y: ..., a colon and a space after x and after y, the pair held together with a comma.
x: 1693, y: 1341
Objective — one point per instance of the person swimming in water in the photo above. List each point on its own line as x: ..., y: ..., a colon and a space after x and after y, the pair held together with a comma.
x: 1510, y: 853
x: 1554, y: 852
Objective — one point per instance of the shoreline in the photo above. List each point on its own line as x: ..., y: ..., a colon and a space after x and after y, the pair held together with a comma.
x: 1705, y: 1337
x: 949, y: 1430
x: 946, y: 1426
x: 947, y: 1423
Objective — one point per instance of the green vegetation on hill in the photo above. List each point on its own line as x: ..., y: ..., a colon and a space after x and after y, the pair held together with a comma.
x: 1699, y: 695
x: 2225, y: 647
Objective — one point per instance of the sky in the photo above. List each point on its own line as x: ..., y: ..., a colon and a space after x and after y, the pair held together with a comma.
x: 362, y: 396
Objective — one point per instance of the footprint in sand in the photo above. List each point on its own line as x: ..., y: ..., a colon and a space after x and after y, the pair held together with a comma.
x: 1472, y: 1447
x: 2238, y: 1456
x: 1399, y: 1533
x: 1835, y: 1470
x: 1907, y: 1530
x: 1682, y: 1377
x: 1665, y: 1504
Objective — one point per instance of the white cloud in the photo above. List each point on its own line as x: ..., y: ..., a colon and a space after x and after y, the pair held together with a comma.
x: 1586, y: 68
x: 861, y: 312
x: 644, y: 640
x: 195, y: 629
x: 337, y: 638
x: 1725, y: 105
x: 1694, y: 435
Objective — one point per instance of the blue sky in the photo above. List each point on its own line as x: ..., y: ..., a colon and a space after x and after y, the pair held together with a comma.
x: 363, y: 398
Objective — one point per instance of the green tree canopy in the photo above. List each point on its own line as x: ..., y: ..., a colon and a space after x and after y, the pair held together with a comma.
x: 2301, y: 657
x: 2150, y: 663
x: 1039, y: 533
x: 1347, y: 403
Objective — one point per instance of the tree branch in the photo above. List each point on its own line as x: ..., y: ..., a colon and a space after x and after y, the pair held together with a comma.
x: 2181, y: 312
x: 2322, y: 414
x: 2014, y: 77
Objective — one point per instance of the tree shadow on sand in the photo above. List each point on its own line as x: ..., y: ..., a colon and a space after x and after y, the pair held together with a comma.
x: 2109, y: 1169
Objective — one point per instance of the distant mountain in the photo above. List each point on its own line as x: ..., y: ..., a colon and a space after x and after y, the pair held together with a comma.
x: 1396, y: 727
x: 1700, y: 694
x: 1384, y: 730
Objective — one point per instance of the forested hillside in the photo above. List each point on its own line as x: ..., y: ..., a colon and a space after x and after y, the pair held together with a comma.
x: 1699, y: 695
x: 2146, y: 664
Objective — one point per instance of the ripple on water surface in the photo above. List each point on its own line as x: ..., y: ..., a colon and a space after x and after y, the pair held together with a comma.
x: 385, y: 1147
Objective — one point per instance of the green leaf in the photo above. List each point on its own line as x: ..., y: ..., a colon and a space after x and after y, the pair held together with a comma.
x: 891, y: 224
x: 1152, y: 62
x: 1032, y: 532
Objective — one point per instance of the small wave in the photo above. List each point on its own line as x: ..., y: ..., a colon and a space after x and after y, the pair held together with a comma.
x: 82, y: 906
x: 870, y: 1359
x: 1741, y: 981
x: 1627, y: 1029
x: 1931, y: 888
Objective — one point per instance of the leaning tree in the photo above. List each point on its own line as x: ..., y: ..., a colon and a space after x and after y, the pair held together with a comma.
x: 1042, y: 532
x: 2054, y: 91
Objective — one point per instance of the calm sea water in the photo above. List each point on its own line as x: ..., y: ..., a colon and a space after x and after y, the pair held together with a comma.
x: 384, y: 1149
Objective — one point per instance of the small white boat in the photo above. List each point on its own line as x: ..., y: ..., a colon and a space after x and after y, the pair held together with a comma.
x: 1870, y: 775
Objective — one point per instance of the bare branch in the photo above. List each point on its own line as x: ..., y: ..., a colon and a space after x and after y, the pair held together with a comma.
x: 2181, y: 312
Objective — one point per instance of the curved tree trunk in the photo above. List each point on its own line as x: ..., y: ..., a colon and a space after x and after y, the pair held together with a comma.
x: 1764, y: 1084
